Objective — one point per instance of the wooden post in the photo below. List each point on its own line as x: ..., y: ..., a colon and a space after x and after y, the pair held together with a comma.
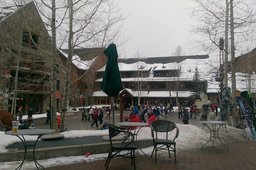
x: 112, y: 101
x: 121, y: 108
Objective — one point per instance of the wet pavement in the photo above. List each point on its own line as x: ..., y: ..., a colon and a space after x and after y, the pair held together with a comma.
x: 241, y: 155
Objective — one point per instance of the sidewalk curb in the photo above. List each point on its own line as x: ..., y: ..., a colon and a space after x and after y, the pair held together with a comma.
x: 64, y: 151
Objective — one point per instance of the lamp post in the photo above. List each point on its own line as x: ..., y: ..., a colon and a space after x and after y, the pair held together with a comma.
x: 139, y: 83
x: 170, y: 94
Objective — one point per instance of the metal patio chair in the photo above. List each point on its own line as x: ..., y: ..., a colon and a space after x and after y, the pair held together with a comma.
x: 163, y: 137
x: 123, y: 148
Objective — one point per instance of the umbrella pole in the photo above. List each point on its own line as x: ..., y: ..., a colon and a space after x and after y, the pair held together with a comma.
x: 112, y: 100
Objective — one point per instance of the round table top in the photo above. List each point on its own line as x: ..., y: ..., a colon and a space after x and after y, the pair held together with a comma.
x: 31, y: 132
x: 213, y: 122
x: 132, y: 124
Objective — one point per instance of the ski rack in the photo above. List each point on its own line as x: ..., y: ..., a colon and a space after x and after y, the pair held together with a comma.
x: 245, y: 104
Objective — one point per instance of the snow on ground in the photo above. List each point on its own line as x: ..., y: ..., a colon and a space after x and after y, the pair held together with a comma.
x: 190, y: 136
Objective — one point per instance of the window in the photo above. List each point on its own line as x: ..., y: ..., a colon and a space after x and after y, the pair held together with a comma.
x: 58, y: 84
x: 29, y: 40
x: 166, y: 73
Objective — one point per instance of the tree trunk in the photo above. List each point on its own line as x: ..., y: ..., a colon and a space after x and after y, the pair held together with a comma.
x: 69, y: 61
x: 226, y: 47
x: 233, y: 71
x: 53, y: 69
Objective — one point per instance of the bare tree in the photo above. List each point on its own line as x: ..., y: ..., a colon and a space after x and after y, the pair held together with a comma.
x: 92, y: 23
x: 232, y: 19
x: 88, y: 23
x: 178, y: 52
x: 211, y: 17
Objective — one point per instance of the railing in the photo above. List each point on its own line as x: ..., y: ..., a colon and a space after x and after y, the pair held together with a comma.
x: 33, y: 67
x: 37, y: 88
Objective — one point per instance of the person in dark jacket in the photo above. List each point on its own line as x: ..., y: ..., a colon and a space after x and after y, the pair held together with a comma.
x: 100, y: 118
x: 20, y: 114
x: 142, y: 116
x: 95, y: 117
x: 185, y: 116
x: 30, y: 114
x: 48, y: 115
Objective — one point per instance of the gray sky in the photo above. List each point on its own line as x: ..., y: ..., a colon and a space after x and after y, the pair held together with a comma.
x: 157, y: 27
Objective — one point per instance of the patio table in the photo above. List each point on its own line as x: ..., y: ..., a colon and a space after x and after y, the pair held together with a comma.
x: 21, y: 133
x: 134, y: 127
x: 214, y: 127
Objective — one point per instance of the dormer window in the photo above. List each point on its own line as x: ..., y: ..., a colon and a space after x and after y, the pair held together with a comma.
x: 29, y: 40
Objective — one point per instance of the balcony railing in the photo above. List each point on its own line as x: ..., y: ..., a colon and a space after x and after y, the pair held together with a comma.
x: 34, y: 69
x: 32, y: 88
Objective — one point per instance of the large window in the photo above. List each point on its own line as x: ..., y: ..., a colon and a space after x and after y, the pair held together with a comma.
x: 165, y: 73
x: 29, y: 40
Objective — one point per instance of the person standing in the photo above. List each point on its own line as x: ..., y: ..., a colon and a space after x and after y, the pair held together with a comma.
x: 20, y: 113
x: 108, y: 110
x: 180, y: 111
x: 91, y: 111
x: 30, y: 114
x: 100, y: 118
x: 151, y: 117
x: 185, y: 116
x: 136, y: 109
x: 142, y: 116
x: 85, y: 114
x: 48, y: 115
x: 95, y: 117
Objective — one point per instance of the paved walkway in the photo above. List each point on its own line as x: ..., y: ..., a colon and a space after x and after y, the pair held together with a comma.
x: 240, y: 156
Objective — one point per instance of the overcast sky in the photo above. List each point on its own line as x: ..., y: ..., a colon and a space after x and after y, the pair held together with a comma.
x: 157, y: 27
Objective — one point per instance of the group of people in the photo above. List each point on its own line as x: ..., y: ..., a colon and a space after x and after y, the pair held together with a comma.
x: 19, y: 114
x: 147, y: 114
x: 183, y: 114
x: 95, y: 114
x: 208, y: 110
x: 139, y: 114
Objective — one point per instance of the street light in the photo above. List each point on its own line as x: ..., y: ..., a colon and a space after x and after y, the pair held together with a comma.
x: 139, y: 82
x: 170, y: 94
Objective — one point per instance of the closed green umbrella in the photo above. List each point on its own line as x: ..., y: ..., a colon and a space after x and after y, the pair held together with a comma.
x: 111, y: 83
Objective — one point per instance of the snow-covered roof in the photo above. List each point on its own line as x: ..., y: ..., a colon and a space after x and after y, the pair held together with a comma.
x: 206, y: 71
x: 134, y: 66
x: 244, y: 82
x: 149, y: 93
x: 76, y: 60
